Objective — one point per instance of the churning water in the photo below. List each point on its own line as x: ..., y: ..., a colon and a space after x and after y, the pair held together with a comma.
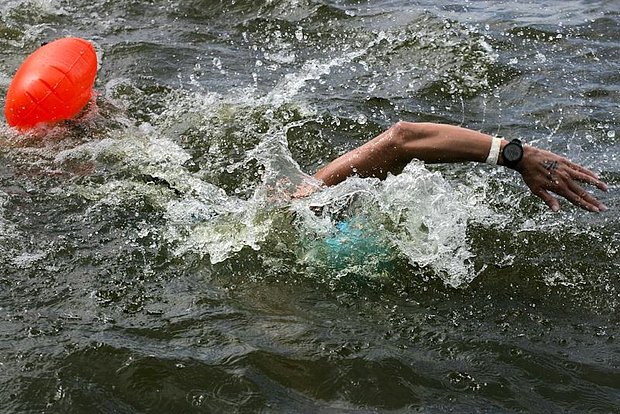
x: 153, y: 259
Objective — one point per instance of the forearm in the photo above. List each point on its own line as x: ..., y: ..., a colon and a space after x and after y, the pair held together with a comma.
x: 396, y: 147
x: 438, y: 143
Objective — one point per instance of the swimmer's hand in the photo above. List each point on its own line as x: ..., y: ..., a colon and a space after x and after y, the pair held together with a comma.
x: 546, y: 172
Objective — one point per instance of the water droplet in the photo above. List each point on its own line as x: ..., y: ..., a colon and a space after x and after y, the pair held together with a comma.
x: 299, y: 34
x: 217, y: 63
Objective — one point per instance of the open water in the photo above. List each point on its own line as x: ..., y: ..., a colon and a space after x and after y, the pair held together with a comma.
x: 152, y: 261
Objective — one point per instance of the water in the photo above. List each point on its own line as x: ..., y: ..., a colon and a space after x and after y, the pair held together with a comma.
x: 153, y: 260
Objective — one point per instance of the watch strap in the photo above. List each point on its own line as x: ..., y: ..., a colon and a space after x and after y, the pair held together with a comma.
x: 494, y: 151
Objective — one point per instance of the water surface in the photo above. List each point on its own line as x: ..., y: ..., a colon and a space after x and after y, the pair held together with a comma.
x: 153, y: 261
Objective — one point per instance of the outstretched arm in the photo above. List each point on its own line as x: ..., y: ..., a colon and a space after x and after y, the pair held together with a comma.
x: 542, y: 171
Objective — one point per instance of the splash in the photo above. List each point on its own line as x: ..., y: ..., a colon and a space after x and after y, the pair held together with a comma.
x: 4, y: 225
x: 430, y: 219
x: 243, y: 173
x: 416, y: 215
x: 25, y: 33
x: 200, y: 218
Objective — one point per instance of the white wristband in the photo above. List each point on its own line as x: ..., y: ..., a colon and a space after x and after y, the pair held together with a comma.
x: 494, y: 151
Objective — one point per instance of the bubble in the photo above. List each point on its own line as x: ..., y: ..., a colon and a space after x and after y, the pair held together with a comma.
x: 299, y: 34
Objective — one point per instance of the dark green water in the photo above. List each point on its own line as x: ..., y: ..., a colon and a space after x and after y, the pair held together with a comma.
x: 151, y: 261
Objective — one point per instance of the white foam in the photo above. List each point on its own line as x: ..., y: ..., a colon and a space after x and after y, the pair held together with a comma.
x: 4, y: 227
x: 26, y: 260
x: 431, y: 219
x: 420, y: 213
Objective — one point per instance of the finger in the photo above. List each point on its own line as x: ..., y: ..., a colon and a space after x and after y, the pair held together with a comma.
x: 584, y: 199
x: 586, y: 175
x: 575, y: 198
x: 590, y: 179
x: 583, y: 194
x: 549, y: 200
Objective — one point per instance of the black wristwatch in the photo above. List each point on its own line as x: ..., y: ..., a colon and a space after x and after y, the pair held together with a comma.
x: 512, y: 153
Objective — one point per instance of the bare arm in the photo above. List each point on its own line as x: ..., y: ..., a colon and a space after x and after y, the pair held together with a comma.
x: 542, y: 171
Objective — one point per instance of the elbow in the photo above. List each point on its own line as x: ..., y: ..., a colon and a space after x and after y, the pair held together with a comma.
x: 406, y: 134
x: 423, y: 141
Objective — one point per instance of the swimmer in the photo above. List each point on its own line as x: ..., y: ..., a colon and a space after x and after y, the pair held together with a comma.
x: 543, y: 172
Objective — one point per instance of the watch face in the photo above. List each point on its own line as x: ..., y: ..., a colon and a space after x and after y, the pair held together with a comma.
x: 513, y: 152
